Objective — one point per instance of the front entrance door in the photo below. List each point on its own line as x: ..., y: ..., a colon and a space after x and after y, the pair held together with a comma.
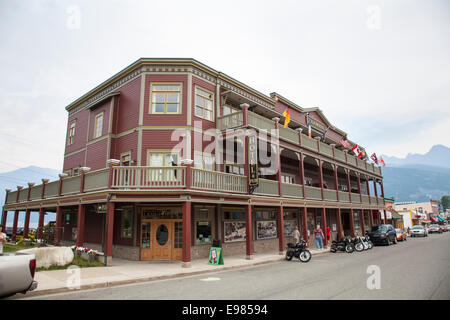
x: 162, y: 239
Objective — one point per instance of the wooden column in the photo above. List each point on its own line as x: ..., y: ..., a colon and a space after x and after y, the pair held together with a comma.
x: 302, y: 175
x: 339, y: 224
x: 4, y: 217
x: 26, y: 226
x: 109, y: 232
x: 324, y: 226
x: 349, y: 186
x: 352, y: 224
x: 321, y: 179
x: 371, y: 218
x: 30, y: 185
x: 58, y: 226
x: 80, y: 225
x: 41, y: 223
x: 336, y: 181
x: 280, y: 230
x: 305, y: 225
x: 186, y: 253
x: 248, y: 232
x: 361, y: 218
x: 14, y: 230
x: 359, y: 187
x: 278, y: 150
x: 375, y: 188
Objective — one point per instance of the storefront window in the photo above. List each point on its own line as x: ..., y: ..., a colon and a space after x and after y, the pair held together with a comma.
x: 203, y: 224
x: 266, y: 225
x: 203, y: 231
x: 289, y: 226
x: 126, y: 226
x: 236, y: 215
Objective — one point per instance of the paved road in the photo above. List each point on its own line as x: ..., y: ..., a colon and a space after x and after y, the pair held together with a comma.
x: 416, y: 269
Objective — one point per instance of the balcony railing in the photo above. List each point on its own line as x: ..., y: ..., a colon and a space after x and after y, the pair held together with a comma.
x: 330, y: 194
x: 313, y: 193
x: 289, y: 134
x: 218, y: 181
x: 229, y: 121
x: 343, y: 196
x: 260, y: 122
x: 267, y: 187
x: 148, y: 177
x: 292, y: 190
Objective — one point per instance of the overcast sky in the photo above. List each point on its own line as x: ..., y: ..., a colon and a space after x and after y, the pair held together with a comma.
x: 379, y: 70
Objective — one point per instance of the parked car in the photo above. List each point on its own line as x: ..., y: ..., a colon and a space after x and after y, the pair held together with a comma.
x: 401, y: 234
x: 435, y: 228
x: 384, y: 233
x: 419, y: 231
x: 444, y: 228
x: 17, y: 273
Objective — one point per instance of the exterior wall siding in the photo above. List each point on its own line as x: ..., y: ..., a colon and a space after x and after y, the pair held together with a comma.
x: 75, y: 160
x: 96, y: 155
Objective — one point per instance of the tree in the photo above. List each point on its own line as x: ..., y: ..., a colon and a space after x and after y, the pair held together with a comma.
x: 445, y: 202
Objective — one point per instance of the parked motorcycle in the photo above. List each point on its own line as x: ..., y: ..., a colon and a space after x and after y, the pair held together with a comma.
x: 359, y: 246
x: 367, y: 239
x: 299, y: 251
x: 342, y: 245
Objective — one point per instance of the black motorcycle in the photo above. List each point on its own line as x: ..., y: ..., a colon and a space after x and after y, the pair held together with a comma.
x: 344, y: 244
x: 357, y: 242
x: 299, y: 251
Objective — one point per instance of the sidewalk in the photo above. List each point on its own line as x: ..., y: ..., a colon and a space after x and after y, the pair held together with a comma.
x: 126, y: 272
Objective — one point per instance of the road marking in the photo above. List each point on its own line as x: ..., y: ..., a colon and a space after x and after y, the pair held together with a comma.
x: 210, y: 279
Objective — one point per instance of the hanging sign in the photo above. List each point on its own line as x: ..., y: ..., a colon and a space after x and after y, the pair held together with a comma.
x: 215, y: 256
x: 253, y: 161
x: 316, y: 124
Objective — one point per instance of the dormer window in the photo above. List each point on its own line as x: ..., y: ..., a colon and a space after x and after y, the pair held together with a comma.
x: 98, y: 125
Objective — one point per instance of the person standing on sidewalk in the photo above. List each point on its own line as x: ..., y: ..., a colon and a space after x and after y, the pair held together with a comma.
x: 318, y: 234
x: 328, y: 234
x: 2, y: 238
x: 296, y: 235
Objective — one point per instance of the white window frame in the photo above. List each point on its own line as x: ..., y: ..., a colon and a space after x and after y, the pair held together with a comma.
x: 98, y: 127
x: 288, y: 178
x: 153, y: 91
x: 203, y: 155
x: 71, y: 133
x: 203, y: 96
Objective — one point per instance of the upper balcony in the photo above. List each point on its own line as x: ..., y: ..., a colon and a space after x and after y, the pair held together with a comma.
x: 258, y: 122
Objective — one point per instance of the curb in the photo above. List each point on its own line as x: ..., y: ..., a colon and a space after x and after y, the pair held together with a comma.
x: 109, y: 284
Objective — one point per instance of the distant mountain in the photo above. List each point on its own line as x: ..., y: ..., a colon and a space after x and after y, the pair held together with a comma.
x: 438, y: 156
x: 21, y: 177
x: 418, y: 184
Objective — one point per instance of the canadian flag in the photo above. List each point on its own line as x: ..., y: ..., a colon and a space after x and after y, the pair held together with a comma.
x: 355, y: 149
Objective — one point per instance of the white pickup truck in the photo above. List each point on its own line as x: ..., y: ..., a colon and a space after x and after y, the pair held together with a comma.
x: 17, y: 273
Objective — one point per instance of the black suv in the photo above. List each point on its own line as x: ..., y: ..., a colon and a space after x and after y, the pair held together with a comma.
x: 384, y: 233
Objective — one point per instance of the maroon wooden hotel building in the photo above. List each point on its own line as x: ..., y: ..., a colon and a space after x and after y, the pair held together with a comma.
x: 128, y: 188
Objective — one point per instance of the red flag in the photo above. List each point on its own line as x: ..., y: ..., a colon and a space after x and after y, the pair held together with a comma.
x: 382, y: 162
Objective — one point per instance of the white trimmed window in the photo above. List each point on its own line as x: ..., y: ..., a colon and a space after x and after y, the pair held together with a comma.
x: 204, y: 104
x: 204, y: 160
x: 71, y: 134
x: 98, y: 127
x: 163, y: 159
x: 165, y: 98
x: 287, y: 178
